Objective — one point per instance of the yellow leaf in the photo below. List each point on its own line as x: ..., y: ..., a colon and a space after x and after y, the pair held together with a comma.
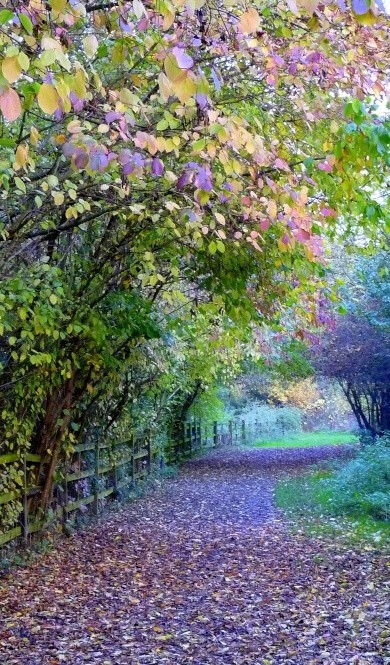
x: 11, y: 69
x: 24, y: 61
x: 366, y: 19
x: 169, y: 18
x: 34, y: 136
x: 58, y: 5
x: 48, y: 98
x: 250, y: 21
x: 126, y: 96
x: 172, y: 69
x: 21, y: 155
x: 184, y: 88
x: 58, y: 198
x: 272, y: 209
x: 48, y: 44
x: 78, y: 86
x: 103, y: 128
x: 164, y: 86
x: 90, y: 45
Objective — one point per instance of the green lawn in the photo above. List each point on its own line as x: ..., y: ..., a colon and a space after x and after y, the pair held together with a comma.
x: 308, y: 440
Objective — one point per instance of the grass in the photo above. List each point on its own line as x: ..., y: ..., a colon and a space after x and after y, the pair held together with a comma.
x: 308, y: 440
x: 306, y: 500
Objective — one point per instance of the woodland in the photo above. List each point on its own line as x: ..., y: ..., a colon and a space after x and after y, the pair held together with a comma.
x: 194, y: 331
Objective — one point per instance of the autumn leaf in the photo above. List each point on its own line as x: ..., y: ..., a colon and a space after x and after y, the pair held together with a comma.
x: 48, y: 98
x: 10, y: 105
x: 250, y: 21
x: 11, y: 69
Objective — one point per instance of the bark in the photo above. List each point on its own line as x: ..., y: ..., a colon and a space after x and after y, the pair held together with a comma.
x: 51, y: 435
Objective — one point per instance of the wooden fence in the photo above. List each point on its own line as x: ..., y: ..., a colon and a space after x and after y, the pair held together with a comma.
x: 97, y: 471
x: 198, y: 436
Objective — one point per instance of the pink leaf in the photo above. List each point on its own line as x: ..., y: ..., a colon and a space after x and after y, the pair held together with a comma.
x: 265, y: 224
x: 324, y: 166
x: 271, y: 79
x: 183, y: 60
x: 281, y: 164
x: 329, y: 212
x: 10, y: 104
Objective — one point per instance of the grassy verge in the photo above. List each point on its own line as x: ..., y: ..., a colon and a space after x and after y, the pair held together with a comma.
x: 308, y: 501
x: 308, y: 440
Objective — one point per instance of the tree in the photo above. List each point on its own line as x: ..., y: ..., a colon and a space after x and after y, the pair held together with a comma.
x: 355, y: 348
x: 157, y: 159
x: 357, y: 355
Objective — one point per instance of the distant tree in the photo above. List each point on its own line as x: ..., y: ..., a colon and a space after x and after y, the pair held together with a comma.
x: 356, y: 353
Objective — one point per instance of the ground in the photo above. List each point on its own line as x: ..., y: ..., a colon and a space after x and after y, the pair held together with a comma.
x: 201, y: 571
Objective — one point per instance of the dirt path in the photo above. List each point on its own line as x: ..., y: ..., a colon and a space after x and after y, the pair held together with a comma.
x: 202, y: 571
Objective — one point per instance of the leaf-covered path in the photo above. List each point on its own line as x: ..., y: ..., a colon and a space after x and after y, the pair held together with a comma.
x: 201, y: 571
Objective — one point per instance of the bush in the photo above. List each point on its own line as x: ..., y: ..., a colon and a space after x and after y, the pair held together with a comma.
x: 273, y: 422
x: 363, y: 484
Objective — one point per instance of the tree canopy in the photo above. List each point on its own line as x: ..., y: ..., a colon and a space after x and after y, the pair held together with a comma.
x: 169, y: 173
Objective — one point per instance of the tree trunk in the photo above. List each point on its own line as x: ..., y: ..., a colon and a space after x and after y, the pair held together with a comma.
x: 51, y: 436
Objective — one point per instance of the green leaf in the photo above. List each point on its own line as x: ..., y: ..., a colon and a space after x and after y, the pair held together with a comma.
x: 5, y: 15
x: 102, y: 51
x: 163, y: 124
x: 26, y: 23
x: 20, y: 184
x: 199, y: 145
x: 7, y: 143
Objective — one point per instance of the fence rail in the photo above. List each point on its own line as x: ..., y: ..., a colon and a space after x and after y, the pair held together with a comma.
x: 115, y: 466
x: 101, y: 470
x: 198, y: 436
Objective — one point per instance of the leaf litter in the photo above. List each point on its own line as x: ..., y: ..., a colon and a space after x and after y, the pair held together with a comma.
x: 201, y: 571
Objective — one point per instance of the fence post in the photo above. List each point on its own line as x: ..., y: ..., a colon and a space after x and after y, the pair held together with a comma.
x: 115, y: 470
x: 96, y: 490
x: 215, y: 434
x: 199, y: 435
x: 149, y: 449
x: 231, y: 432
x: 193, y: 437
x: 187, y: 438
x: 25, y: 501
x: 133, y: 460
x: 243, y: 431
x: 65, y: 509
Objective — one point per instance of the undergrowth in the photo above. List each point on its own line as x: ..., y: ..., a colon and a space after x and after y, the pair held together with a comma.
x: 350, y: 500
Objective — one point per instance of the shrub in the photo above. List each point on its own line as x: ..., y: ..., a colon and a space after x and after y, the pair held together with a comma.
x: 273, y: 422
x: 363, y: 484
